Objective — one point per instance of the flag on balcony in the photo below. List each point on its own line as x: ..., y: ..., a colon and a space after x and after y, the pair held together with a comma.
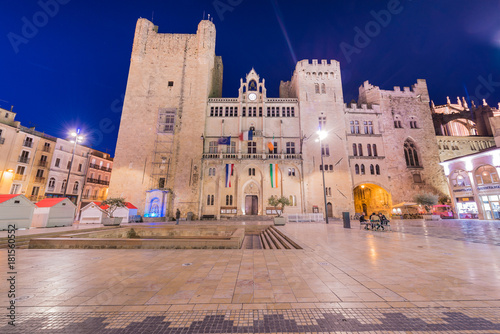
x: 229, y: 171
x: 224, y: 141
x: 246, y: 135
x: 273, y: 170
x: 270, y: 145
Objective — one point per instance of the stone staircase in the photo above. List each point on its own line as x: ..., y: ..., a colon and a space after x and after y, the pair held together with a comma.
x: 272, y: 238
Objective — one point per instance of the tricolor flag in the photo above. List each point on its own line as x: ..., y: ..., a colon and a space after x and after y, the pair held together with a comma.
x: 229, y: 171
x: 273, y: 170
x: 246, y: 135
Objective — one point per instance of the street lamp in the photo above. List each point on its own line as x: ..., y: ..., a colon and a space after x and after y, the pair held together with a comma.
x: 322, y: 135
x: 77, y: 138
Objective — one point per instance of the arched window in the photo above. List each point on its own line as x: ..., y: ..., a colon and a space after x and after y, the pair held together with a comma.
x: 316, y: 88
x: 375, y: 154
x: 52, y: 182
x: 75, y: 187
x: 377, y: 169
x: 63, y: 186
x: 356, y: 169
x: 323, y: 89
x: 411, y: 155
x: 459, y: 178
x: 372, y: 170
x: 369, y: 147
x: 354, y: 150
x: 252, y: 85
x: 360, y: 150
x: 362, y: 169
x: 486, y: 174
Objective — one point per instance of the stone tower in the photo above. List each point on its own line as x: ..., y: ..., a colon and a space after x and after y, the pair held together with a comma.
x: 159, y: 147
x: 318, y: 87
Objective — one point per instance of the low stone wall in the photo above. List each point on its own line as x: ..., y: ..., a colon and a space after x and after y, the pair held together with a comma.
x: 220, y: 238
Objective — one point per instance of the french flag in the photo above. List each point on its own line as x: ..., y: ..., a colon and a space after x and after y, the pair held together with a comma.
x: 246, y: 135
x: 229, y: 171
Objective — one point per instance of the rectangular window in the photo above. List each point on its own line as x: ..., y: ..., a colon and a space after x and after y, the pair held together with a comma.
x: 351, y: 123
x: 287, y: 111
x: 290, y: 147
x: 252, y: 147
x: 170, y: 84
x: 356, y: 127
x: 58, y: 162
x: 166, y: 120
x: 243, y: 111
x: 15, y: 189
x: 365, y: 124
x: 273, y: 112
x: 69, y: 165
x: 370, y: 127
x: 325, y: 150
x: 254, y: 111
x: 39, y: 173
x: 79, y: 167
x: 293, y: 111
x: 235, y: 111
x: 20, y: 170
x: 268, y: 111
x: 211, y: 111
x: 226, y: 114
x: 322, y: 122
x: 213, y: 147
x: 260, y: 111
x: 231, y: 148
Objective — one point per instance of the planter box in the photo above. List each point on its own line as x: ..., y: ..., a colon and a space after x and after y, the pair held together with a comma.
x: 116, y: 221
x: 279, y: 221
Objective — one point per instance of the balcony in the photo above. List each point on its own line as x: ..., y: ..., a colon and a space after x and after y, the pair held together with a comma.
x: 97, y: 181
x: 39, y: 179
x: 28, y: 143
x: 252, y: 156
x: 24, y: 160
x: 2, y: 140
x: 19, y: 177
x: 42, y: 163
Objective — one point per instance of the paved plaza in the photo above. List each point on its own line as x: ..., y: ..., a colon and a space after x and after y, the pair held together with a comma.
x: 421, y: 277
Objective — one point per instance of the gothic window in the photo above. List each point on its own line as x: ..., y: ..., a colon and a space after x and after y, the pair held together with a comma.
x: 411, y: 155
x: 356, y: 169
x: 397, y: 122
x: 369, y: 147
x: 360, y: 150
x: 372, y: 170
x: 213, y: 147
x: 252, y: 85
x: 377, y: 169
x: 486, y: 175
x: 252, y: 147
x: 316, y: 88
x: 290, y: 147
x: 323, y: 89
x: 322, y: 122
x: 375, y: 150
x: 355, y: 150
x: 362, y: 169
x: 325, y: 150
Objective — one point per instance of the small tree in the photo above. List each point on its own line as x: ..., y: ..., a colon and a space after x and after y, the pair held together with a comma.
x: 444, y: 199
x: 275, y: 202
x: 427, y: 200
x: 113, y: 204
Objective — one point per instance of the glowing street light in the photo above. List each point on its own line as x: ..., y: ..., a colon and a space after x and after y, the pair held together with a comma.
x: 77, y: 138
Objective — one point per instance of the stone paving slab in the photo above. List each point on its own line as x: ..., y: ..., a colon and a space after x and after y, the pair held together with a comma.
x: 419, y: 278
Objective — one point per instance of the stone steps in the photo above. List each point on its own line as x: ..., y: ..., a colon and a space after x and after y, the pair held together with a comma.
x: 272, y: 238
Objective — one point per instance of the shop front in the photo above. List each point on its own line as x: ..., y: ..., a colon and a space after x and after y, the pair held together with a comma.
x: 466, y: 208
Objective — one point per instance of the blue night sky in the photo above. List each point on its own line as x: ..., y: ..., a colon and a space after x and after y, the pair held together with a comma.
x: 69, y: 68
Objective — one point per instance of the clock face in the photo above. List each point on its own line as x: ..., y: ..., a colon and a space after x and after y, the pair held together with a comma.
x: 252, y: 96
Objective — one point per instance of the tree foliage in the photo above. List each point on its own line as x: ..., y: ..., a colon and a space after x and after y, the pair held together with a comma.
x: 113, y: 204
x: 278, y: 203
x: 427, y: 200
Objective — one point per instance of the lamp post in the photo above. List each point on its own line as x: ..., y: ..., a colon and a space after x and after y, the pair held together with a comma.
x: 322, y: 135
x: 77, y: 138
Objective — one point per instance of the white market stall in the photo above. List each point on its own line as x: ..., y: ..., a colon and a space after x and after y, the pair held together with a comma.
x: 52, y: 212
x: 94, y: 212
x: 15, y: 210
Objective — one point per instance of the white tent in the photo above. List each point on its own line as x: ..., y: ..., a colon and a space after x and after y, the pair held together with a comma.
x: 52, y: 212
x: 94, y: 212
x: 15, y: 210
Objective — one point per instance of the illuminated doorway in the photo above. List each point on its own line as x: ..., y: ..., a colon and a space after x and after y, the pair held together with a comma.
x: 369, y: 198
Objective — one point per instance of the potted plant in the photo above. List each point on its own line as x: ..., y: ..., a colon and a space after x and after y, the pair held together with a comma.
x: 279, y: 205
x: 112, y: 204
x: 427, y: 200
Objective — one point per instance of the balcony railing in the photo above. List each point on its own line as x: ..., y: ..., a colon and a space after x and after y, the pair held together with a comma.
x: 19, y: 177
x: 106, y: 169
x: 28, y: 143
x: 39, y: 179
x: 42, y: 163
x: 97, y: 181
x: 24, y: 160
x: 2, y: 140
x: 253, y: 156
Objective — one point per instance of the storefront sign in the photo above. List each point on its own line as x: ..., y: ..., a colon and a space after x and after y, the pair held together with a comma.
x: 462, y: 190
x: 465, y: 199
x: 488, y: 187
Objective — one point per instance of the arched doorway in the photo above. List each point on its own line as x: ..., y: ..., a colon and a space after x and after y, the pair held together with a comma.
x: 329, y: 209
x: 369, y: 198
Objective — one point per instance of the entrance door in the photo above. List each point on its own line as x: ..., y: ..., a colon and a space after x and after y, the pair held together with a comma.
x: 329, y: 209
x: 251, y: 205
